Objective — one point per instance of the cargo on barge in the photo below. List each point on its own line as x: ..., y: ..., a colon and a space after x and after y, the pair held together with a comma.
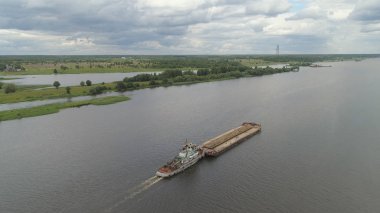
x: 227, y: 140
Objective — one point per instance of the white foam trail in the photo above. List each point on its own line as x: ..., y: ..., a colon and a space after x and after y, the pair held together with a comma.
x: 137, y: 190
x: 146, y: 185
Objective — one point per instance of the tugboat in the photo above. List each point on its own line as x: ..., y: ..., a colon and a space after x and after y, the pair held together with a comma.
x: 188, y: 156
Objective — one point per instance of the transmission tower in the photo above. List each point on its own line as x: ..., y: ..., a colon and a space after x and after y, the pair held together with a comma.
x: 278, y: 50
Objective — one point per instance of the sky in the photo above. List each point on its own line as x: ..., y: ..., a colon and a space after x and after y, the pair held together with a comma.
x: 162, y: 27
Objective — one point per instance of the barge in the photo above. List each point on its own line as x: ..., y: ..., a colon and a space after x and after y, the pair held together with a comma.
x: 227, y: 140
x: 191, y: 153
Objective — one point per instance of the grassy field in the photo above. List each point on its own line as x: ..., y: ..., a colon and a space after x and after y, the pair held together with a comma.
x: 47, y: 69
x: 114, y: 65
x: 54, y: 108
x: 254, y: 62
x: 34, y: 65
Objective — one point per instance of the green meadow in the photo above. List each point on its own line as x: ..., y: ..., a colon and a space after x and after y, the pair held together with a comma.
x: 54, y: 108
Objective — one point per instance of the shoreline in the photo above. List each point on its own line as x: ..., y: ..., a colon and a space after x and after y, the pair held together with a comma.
x: 77, y: 91
x: 55, y: 108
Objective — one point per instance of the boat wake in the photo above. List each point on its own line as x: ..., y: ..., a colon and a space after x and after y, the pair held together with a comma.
x: 133, y: 192
x: 144, y: 186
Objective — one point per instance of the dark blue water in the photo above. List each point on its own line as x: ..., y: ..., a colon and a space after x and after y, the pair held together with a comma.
x: 319, y: 149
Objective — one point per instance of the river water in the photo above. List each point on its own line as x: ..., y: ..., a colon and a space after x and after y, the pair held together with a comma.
x: 69, y: 79
x: 319, y: 149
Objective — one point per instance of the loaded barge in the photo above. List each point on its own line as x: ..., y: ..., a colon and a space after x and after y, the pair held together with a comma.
x: 227, y: 140
x: 191, y: 153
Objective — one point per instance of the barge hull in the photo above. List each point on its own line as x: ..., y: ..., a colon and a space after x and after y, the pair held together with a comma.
x: 247, y: 130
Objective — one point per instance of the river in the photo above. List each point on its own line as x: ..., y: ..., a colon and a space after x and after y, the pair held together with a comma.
x: 318, y: 150
x: 68, y: 79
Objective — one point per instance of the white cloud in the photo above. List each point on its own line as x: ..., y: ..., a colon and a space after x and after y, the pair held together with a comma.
x: 32, y: 42
x: 268, y: 7
x: 173, y: 5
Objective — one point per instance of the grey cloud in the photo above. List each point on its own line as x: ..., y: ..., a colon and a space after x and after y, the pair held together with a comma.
x: 72, y: 15
x: 371, y: 28
x: 209, y: 27
x: 58, y: 16
x: 174, y: 31
x: 366, y: 11
x: 120, y: 22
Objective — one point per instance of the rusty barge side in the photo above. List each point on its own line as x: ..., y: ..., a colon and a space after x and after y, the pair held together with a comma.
x: 227, y: 140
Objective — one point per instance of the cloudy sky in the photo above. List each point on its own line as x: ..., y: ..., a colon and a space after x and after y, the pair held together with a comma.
x: 189, y: 26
